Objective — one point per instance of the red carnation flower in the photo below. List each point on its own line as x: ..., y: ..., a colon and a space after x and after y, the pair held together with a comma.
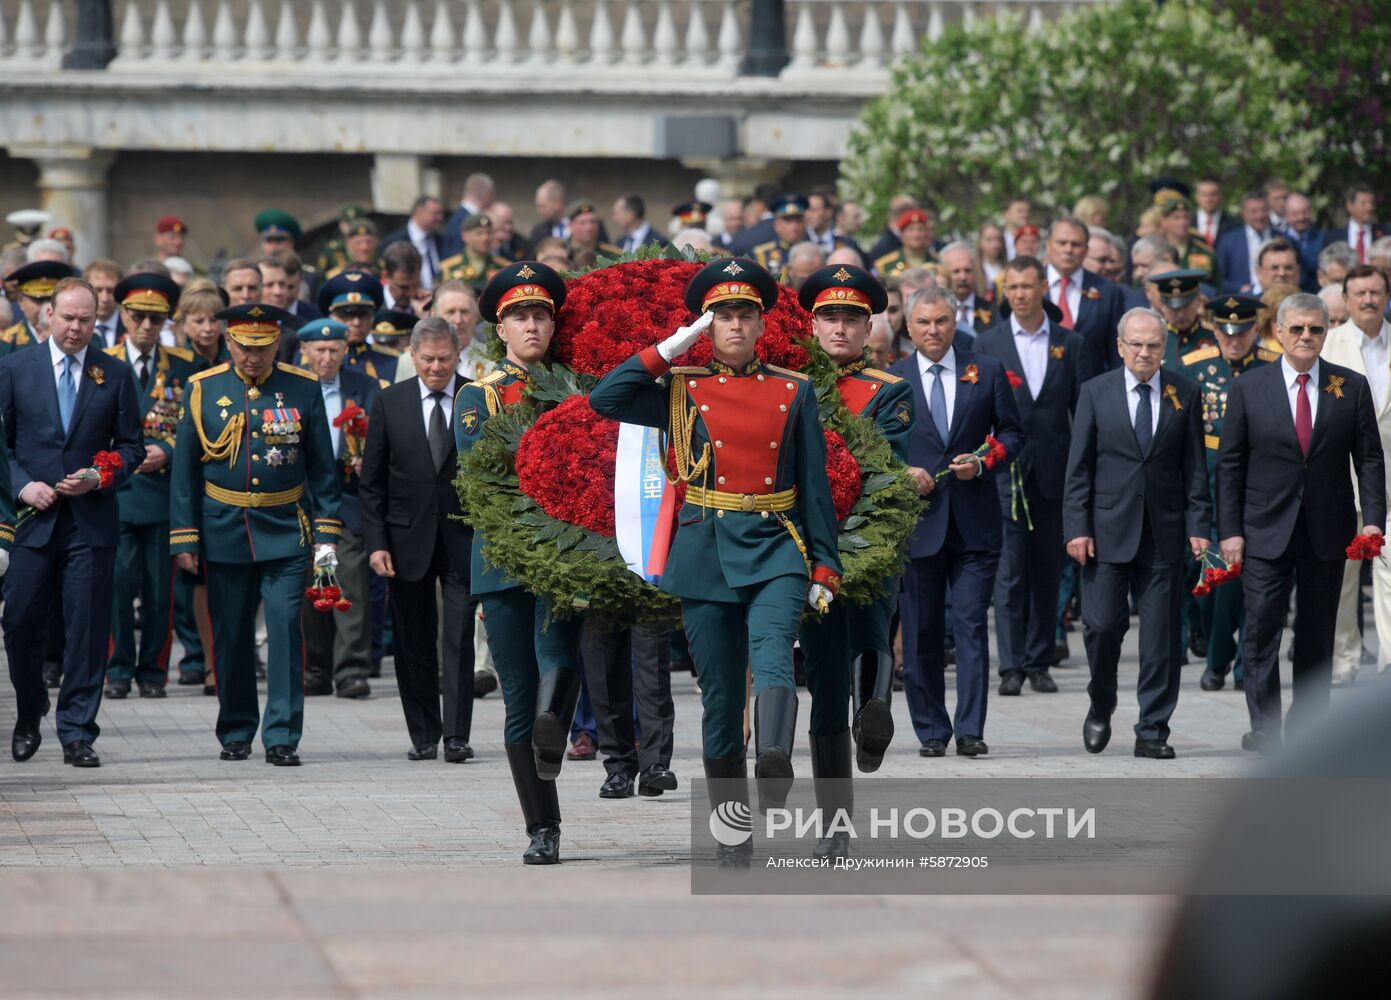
x: 550, y: 469
x: 844, y: 473
x: 1015, y: 380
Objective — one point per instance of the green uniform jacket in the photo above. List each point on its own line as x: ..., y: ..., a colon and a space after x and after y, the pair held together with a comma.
x: 16, y: 338
x: 144, y: 499
x: 1214, y: 375
x: 766, y: 438
x: 271, y: 438
x: 886, y: 399
x: 1178, y: 345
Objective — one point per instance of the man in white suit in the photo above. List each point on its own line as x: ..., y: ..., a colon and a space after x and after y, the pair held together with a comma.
x: 1363, y: 344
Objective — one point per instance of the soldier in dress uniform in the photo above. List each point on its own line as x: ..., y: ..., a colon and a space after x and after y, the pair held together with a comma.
x: 362, y: 243
x: 537, y: 653
x: 142, y: 553
x: 390, y: 330
x: 849, y: 647
x: 587, y: 234
x: 790, y: 228
x: 334, y: 255
x: 1214, y: 367
x: 693, y: 214
x: 353, y: 298
x: 757, y: 534
x: 255, y: 485
x: 1182, y: 307
x: 1194, y: 252
x: 278, y: 229
x: 476, y: 263
x: 915, y: 228
x: 35, y: 282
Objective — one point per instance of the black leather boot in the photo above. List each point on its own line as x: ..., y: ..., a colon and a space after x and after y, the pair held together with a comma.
x: 775, y: 722
x: 727, y: 782
x: 540, y: 806
x: 556, y: 698
x: 835, y: 795
x: 873, y: 727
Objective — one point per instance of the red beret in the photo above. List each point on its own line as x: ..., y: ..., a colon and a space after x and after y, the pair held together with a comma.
x: 171, y: 224
x: 911, y: 216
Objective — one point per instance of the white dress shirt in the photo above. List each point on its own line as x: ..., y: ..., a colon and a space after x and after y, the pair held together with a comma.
x: 1353, y: 229
x: 1033, y: 353
x: 1206, y: 221
x: 636, y: 238
x: 1254, y: 239
x: 106, y: 330
x: 1074, y: 290
x: 56, y: 359
x: 1376, y: 359
x: 948, y: 364
x: 1132, y: 399
x: 333, y: 406
x: 427, y: 405
x: 429, y: 261
x: 133, y: 356
x: 1292, y: 390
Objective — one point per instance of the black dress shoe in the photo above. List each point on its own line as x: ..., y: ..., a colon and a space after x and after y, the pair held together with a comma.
x: 53, y: 675
x: 1239, y: 684
x: 1154, y: 749
x: 1011, y: 682
x: 316, y: 686
x: 152, y: 691
x: 209, y: 690
x: 116, y: 689
x: 190, y: 678
x: 971, y: 746
x: 457, y: 750
x: 933, y: 748
x: 25, y: 741
x: 1096, y: 732
x: 545, y: 846
x: 1060, y: 652
x: 1259, y: 741
x: 484, y: 683
x: 79, y: 753
x: 1197, y: 645
x: 872, y: 731
x: 617, y: 786
x: 1042, y: 682
x: 355, y: 687
x: 422, y: 751
x: 656, y: 780
x: 375, y: 670
x: 282, y: 756
x: 235, y: 751
x: 1212, y: 681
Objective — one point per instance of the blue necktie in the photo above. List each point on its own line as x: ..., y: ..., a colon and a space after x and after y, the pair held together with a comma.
x: 938, y: 403
x: 67, y: 393
x: 1144, y: 419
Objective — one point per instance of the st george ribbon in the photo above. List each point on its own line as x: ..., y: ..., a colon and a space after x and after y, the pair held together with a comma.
x: 643, y: 501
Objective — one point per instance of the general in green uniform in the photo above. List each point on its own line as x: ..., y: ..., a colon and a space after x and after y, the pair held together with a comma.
x: 256, y: 485
x: 142, y: 554
x: 1182, y: 308
x: 1214, y: 367
x: 476, y: 263
x: 536, y: 652
x: 757, y: 531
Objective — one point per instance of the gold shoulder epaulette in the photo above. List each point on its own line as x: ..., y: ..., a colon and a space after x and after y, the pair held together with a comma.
x: 1266, y: 354
x: 8, y: 335
x: 115, y: 350
x: 1201, y: 354
x: 610, y: 249
x: 489, y: 379
x: 449, y: 263
x: 214, y: 370
x: 335, y: 272
x: 285, y: 366
x: 789, y: 372
x: 883, y: 376
x: 885, y: 259
x: 690, y: 370
x: 182, y: 353
x: 390, y: 352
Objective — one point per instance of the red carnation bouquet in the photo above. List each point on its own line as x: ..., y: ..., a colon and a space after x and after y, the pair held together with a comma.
x: 844, y: 473
x: 1216, y: 571
x: 1015, y: 379
x: 105, y: 465
x: 352, y: 421
x: 614, y: 312
x: 991, y: 454
x: 325, y: 594
x: 1366, y: 546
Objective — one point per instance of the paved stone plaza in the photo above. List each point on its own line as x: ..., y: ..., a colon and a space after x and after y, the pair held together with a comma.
x: 168, y: 872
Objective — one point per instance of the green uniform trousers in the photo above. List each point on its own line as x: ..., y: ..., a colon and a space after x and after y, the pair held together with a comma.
x: 830, y: 644
x: 233, y: 592
x: 726, y: 637
x: 526, y: 644
x: 144, y: 570
x: 1224, y: 624
x: 338, y: 644
x: 186, y: 624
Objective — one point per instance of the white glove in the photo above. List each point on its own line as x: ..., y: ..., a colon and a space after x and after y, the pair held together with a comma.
x: 325, y: 555
x: 4, y: 562
x: 680, y: 342
x: 820, y: 597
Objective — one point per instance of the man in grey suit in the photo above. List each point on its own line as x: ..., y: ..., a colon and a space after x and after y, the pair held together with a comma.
x: 1136, y: 497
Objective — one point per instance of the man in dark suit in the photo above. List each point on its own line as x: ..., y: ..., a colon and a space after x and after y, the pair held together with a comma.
x: 1088, y: 303
x: 1362, y: 229
x: 1047, y: 364
x: 1136, y: 499
x: 1209, y: 219
x: 974, y: 313
x: 61, y: 403
x: 409, y: 514
x: 1285, y: 509
x: 422, y: 232
x: 630, y: 222
x: 1238, y: 248
x: 479, y: 193
x: 960, y: 398
x: 1307, y: 238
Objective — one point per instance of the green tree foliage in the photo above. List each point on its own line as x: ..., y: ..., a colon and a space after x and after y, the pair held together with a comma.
x: 1100, y: 101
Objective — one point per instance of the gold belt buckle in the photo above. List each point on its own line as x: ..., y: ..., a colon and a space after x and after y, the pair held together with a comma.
x: 747, y: 502
x: 255, y: 499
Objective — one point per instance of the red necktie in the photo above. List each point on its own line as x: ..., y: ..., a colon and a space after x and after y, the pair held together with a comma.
x: 1062, y: 301
x: 1362, y: 244
x: 1303, y: 416
x: 1208, y: 234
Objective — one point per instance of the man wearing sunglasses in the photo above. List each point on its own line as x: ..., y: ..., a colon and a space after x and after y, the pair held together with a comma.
x: 1285, y: 508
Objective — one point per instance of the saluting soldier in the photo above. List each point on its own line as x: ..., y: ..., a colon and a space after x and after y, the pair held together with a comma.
x: 1182, y: 307
x: 915, y: 226
x: 353, y: 298
x: 35, y: 282
x: 790, y: 228
x: 537, y: 654
x: 757, y: 532
x: 255, y: 485
x: 849, y: 646
x: 142, y: 553
x: 1214, y: 367
x: 476, y: 263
